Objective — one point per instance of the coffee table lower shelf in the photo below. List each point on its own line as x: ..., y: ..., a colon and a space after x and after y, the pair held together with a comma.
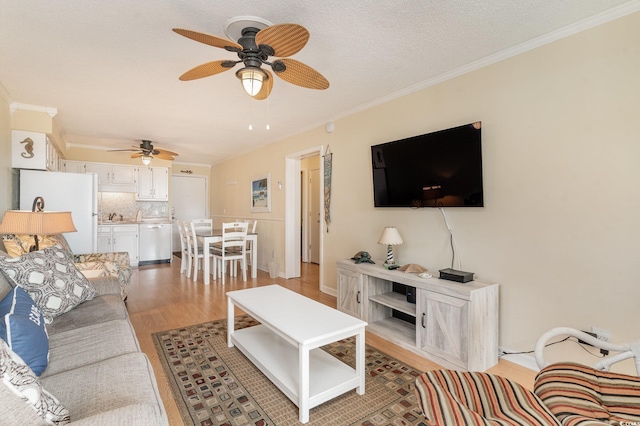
x: 278, y: 359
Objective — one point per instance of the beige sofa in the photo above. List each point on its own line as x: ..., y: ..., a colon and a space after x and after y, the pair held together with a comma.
x: 96, y: 369
x: 116, y: 264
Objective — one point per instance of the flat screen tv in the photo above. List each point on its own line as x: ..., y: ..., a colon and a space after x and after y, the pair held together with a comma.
x: 439, y: 169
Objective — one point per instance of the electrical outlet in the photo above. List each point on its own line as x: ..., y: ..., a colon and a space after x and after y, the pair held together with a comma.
x: 601, y: 334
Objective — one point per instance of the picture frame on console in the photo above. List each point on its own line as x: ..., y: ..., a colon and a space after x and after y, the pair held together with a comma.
x: 261, y: 193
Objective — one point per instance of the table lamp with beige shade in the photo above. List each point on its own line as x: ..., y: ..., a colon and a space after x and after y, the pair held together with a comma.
x: 36, y: 222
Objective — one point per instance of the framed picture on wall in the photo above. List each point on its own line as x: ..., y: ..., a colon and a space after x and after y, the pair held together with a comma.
x: 261, y: 193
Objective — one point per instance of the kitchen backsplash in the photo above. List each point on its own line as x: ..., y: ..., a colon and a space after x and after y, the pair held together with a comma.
x: 125, y: 204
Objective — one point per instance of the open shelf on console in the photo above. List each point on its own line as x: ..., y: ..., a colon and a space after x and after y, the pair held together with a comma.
x: 395, y: 301
x: 395, y: 329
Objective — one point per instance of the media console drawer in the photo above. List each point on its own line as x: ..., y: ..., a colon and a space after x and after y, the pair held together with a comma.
x: 453, y: 324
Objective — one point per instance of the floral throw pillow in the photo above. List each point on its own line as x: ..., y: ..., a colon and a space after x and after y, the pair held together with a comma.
x: 51, y: 279
x: 18, y: 377
x: 19, y: 244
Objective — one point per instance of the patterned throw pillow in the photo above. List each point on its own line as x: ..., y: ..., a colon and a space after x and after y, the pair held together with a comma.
x: 18, y: 377
x: 19, y: 244
x: 22, y: 327
x: 51, y: 279
x: 92, y: 269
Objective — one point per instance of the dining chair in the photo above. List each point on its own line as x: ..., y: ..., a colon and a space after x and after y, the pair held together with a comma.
x: 195, y: 253
x: 203, y: 224
x: 249, y: 249
x: 185, y: 259
x: 234, y: 248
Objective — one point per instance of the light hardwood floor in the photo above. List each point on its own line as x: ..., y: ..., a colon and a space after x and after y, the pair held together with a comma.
x: 163, y: 299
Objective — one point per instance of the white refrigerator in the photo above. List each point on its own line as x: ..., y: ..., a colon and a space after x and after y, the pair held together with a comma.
x: 74, y: 192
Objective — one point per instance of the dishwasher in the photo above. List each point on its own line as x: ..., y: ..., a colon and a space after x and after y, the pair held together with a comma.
x: 155, y: 243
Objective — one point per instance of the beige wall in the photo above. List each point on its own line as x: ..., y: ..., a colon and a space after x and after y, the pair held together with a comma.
x: 560, y: 230
x: 5, y: 157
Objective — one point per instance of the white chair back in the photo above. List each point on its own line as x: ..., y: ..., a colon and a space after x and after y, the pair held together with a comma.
x: 184, y: 250
x: 234, y: 246
x: 193, y: 254
x: 234, y: 234
x: 203, y: 224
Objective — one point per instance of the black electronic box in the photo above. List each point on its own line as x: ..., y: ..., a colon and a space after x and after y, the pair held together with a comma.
x: 455, y: 275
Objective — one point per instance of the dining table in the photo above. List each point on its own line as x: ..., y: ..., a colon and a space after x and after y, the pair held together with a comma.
x: 207, y: 238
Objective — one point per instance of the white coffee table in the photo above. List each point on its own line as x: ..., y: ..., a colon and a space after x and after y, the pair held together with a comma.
x: 286, y: 345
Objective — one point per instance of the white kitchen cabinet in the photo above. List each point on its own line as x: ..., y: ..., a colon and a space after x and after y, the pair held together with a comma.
x: 28, y: 150
x: 153, y: 184
x: 52, y: 157
x: 72, y: 166
x: 453, y: 324
x: 351, y: 293
x: 114, y: 238
x: 113, y: 176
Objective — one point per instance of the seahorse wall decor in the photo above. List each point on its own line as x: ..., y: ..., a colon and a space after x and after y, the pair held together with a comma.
x: 28, y: 148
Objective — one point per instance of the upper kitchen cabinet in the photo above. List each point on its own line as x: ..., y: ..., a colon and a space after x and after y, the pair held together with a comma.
x: 28, y: 150
x: 113, y: 174
x: 71, y: 166
x: 153, y: 184
x: 111, y: 177
x: 53, y: 158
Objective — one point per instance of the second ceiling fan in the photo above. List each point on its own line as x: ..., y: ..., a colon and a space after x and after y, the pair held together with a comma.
x: 254, y: 47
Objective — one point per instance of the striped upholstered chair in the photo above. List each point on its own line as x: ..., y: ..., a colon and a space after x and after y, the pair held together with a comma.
x: 452, y: 398
x: 579, y: 395
x: 565, y: 394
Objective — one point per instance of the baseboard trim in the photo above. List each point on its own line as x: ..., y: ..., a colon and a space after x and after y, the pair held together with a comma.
x: 524, y: 360
x: 328, y: 290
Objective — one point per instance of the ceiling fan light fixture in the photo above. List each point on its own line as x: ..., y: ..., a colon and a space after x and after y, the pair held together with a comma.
x: 252, y: 79
x: 146, y: 159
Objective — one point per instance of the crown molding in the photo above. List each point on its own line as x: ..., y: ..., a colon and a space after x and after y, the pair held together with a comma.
x: 83, y: 146
x: 52, y: 112
x: 180, y: 163
x: 6, y: 96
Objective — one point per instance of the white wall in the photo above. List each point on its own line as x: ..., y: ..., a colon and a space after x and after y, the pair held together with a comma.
x: 560, y: 230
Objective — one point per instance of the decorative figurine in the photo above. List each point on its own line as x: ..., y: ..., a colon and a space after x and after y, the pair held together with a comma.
x: 412, y: 267
x: 362, y: 257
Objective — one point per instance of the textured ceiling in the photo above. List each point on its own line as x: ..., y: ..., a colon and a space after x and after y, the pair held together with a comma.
x: 111, y: 67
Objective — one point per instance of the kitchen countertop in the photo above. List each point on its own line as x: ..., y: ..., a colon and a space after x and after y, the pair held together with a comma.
x: 134, y: 222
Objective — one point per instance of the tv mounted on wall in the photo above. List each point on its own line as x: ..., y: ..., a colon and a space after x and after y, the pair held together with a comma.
x: 439, y: 169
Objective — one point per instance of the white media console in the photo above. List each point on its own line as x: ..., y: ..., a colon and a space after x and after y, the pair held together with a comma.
x: 453, y: 324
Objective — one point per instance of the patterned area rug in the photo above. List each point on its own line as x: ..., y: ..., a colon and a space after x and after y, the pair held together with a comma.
x: 216, y: 385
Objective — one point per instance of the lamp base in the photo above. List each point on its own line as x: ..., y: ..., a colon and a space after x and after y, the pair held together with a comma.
x: 36, y: 245
x: 390, y: 266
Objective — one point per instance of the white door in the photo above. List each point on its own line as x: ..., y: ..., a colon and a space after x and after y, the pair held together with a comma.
x: 189, y: 195
x: 314, y: 216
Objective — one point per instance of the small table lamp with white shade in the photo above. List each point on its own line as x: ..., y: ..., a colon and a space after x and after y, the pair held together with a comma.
x: 390, y: 237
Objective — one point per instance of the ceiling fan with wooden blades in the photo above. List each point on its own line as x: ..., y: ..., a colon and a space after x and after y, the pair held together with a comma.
x: 146, y: 151
x: 258, y: 42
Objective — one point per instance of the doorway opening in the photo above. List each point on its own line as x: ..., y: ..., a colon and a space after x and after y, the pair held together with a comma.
x: 293, y: 213
x: 310, y: 209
